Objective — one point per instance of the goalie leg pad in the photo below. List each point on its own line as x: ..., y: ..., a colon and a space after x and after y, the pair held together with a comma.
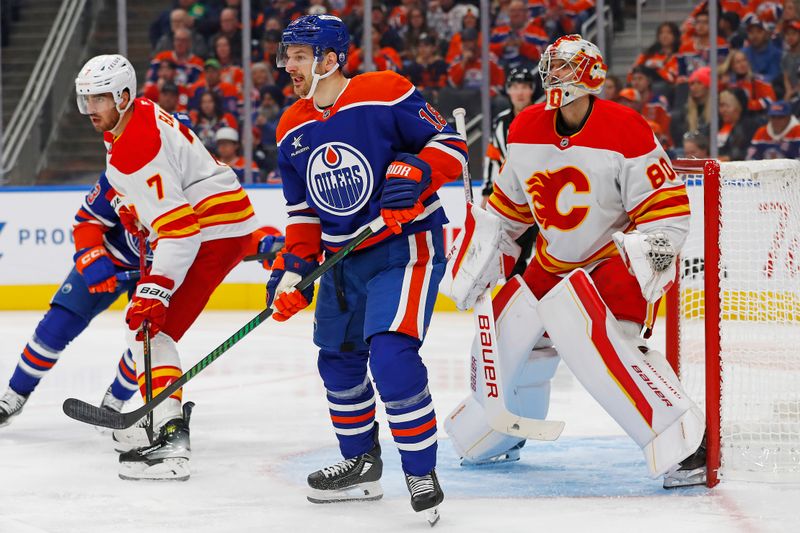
x: 645, y: 399
x: 526, y: 387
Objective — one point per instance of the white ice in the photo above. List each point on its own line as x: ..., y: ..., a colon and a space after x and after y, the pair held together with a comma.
x: 261, y: 425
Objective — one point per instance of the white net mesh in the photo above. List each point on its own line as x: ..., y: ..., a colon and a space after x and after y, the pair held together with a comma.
x: 760, y: 316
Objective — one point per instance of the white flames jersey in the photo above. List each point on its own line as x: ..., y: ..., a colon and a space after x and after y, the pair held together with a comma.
x: 610, y: 176
x: 178, y: 191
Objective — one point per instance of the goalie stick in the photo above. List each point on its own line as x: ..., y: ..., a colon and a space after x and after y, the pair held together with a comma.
x: 497, y: 413
x: 90, y: 414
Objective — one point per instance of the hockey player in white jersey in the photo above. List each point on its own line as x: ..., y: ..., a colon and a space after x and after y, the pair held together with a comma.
x: 198, y: 220
x: 612, y: 216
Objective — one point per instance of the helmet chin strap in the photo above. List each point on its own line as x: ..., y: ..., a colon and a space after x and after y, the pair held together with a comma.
x: 121, y: 114
x: 315, y: 78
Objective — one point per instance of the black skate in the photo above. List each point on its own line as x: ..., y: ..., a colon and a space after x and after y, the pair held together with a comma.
x: 11, y: 405
x: 426, y: 495
x: 356, y: 479
x: 691, y: 471
x: 167, y: 458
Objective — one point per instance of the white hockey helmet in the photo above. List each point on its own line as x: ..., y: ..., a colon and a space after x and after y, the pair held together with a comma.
x: 102, y: 74
x: 571, y: 67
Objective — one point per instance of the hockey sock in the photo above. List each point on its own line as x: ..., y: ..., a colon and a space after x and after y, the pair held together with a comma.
x: 402, y: 381
x: 125, y: 384
x: 56, y: 329
x: 352, y: 407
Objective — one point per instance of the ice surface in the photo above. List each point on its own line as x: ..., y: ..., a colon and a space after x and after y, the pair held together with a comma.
x: 261, y: 425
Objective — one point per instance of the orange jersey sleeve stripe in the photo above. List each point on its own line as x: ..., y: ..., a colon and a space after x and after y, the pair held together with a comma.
x: 219, y: 198
x: 174, y: 215
x: 657, y: 196
x: 512, y: 210
x: 672, y: 206
x: 664, y: 213
x: 304, y: 240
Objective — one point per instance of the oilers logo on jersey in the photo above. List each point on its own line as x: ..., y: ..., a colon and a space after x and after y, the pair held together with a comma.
x: 339, y: 179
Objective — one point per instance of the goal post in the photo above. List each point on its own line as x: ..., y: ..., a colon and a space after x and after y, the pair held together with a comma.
x: 733, y: 316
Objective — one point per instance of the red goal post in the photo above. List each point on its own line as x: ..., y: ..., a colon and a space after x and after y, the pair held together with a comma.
x: 733, y: 316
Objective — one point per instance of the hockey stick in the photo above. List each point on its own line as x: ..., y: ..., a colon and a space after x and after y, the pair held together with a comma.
x: 148, y: 361
x: 90, y: 414
x: 497, y: 413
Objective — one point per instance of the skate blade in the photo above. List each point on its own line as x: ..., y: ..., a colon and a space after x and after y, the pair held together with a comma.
x: 361, y: 492
x: 176, y: 469
x: 432, y: 515
x: 507, y: 457
x: 686, y: 478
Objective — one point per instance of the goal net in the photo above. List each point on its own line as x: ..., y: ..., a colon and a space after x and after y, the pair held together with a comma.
x: 733, y: 319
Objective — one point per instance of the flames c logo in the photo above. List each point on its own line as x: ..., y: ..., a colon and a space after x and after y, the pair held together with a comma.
x: 545, y: 189
x: 338, y: 178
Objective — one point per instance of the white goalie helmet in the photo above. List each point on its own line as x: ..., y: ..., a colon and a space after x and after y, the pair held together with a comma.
x: 571, y: 67
x: 102, y: 74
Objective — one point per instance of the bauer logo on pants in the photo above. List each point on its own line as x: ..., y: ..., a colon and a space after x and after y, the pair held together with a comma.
x: 339, y: 178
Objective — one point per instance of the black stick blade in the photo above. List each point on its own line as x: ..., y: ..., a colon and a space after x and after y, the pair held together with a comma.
x: 84, y: 412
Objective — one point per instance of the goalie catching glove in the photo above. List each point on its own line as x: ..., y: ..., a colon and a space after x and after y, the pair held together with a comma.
x: 481, y: 254
x: 650, y: 257
x: 287, y: 271
x: 407, y: 177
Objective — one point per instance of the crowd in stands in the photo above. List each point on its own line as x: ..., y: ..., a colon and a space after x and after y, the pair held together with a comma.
x: 196, y: 66
x: 758, y: 53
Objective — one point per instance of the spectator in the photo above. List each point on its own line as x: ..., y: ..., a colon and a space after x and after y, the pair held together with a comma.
x: 207, y: 120
x: 229, y: 27
x: 427, y: 71
x: 731, y: 30
x: 167, y: 73
x: 660, y: 57
x: 230, y: 71
x: 611, y: 88
x: 227, y: 151
x: 400, y: 15
x: 266, y: 124
x: 211, y: 82
x: 284, y: 11
x: 737, y: 125
x: 470, y: 21
x: 790, y: 62
x: 500, y: 15
x: 563, y: 16
x: 764, y: 57
x: 521, y: 42
x: 736, y: 73
x: 179, y: 18
x: 389, y: 38
x: 695, y: 145
x: 631, y: 98
x: 694, y: 52
x: 161, y: 25
x: 168, y: 97
x: 655, y: 107
x: 188, y: 65
x: 415, y: 27
x: 442, y: 18
x: 466, y: 72
x: 384, y: 58
x: 779, y: 138
x: 696, y: 113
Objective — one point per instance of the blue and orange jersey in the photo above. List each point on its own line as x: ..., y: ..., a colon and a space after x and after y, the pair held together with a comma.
x: 691, y: 56
x: 333, y: 161
x: 533, y: 40
x: 760, y: 93
x: 187, y: 70
x: 666, y: 66
x: 767, y: 144
x: 97, y: 223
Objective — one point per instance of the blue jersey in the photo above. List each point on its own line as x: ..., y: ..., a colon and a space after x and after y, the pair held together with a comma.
x: 99, y: 209
x: 333, y: 161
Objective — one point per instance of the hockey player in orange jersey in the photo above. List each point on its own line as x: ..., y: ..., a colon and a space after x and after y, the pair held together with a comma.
x: 198, y: 221
x: 612, y: 216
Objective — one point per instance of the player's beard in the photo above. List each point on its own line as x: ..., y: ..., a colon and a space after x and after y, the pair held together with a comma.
x: 105, y: 122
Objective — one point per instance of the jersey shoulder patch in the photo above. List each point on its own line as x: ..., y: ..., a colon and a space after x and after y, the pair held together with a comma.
x: 140, y: 142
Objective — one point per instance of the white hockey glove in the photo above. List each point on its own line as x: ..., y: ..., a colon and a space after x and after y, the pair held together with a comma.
x: 476, y: 259
x: 650, y: 257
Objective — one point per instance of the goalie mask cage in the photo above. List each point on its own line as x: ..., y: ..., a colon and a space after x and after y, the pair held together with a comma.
x: 733, y: 317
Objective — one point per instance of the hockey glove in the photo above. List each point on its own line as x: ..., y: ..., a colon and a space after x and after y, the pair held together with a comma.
x: 270, y: 245
x: 406, y: 179
x: 287, y: 271
x: 129, y: 220
x: 650, y: 258
x: 150, y: 302
x: 97, y: 269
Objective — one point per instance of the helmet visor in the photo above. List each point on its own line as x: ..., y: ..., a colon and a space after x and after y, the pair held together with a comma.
x: 95, y: 103
x: 299, y: 54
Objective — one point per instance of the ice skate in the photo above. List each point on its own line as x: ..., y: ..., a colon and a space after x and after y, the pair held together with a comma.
x: 130, y: 438
x: 508, y: 456
x: 426, y: 495
x: 691, y: 471
x: 167, y: 459
x: 355, y: 479
x: 11, y: 405
x: 111, y: 403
